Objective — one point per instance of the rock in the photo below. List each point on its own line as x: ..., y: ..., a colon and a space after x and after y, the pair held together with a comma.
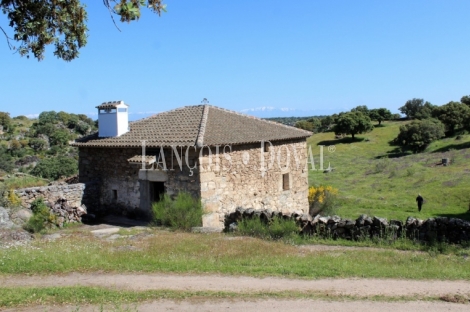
x: 52, y: 237
x: 410, y: 221
x: 233, y: 227
x: 200, y: 229
x: 305, y: 217
x: 106, y: 231
x: 349, y: 224
x: 379, y: 222
x: 249, y: 212
x: 323, y: 220
x: 5, y: 222
x: 361, y: 220
x: 336, y: 219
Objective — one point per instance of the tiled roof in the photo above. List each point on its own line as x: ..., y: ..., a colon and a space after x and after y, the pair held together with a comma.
x: 148, y: 160
x: 197, y: 126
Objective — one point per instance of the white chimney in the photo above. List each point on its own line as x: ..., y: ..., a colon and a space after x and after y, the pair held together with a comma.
x: 113, y: 119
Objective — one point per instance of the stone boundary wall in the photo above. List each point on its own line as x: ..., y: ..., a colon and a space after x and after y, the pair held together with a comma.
x: 72, y: 192
x: 451, y: 230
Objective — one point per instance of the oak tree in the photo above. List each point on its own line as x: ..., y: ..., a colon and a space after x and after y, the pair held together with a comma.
x: 61, y: 23
x: 353, y: 123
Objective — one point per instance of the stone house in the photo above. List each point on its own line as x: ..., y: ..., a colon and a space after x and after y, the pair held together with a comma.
x: 227, y: 159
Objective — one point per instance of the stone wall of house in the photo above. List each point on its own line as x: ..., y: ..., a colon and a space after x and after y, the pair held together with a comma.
x: 115, y: 179
x: 245, y: 176
x: 123, y: 188
x: 72, y: 192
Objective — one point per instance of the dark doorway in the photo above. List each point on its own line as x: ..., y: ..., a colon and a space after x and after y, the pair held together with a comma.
x: 157, y: 189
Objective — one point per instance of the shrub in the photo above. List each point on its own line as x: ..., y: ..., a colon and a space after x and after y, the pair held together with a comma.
x: 42, y: 217
x: 276, y: 229
x: 54, y: 168
x: 322, y: 200
x: 183, y: 213
x: 13, y: 199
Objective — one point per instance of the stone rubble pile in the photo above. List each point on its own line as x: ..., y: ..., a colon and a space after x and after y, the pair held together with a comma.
x: 451, y: 230
x: 66, y: 213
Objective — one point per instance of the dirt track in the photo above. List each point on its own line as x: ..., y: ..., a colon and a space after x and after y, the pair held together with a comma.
x: 337, y: 287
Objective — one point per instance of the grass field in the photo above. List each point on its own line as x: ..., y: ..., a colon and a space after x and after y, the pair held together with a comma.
x: 165, y: 251
x: 374, y: 179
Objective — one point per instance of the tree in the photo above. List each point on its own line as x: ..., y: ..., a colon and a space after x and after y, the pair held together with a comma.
x: 380, y: 114
x: 453, y: 115
x: 5, y: 120
x: 353, y: 123
x: 418, y: 134
x: 59, y: 137
x: 361, y: 108
x: 465, y: 100
x: 6, y: 162
x: 304, y: 124
x: 417, y: 109
x: 425, y: 111
x: 61, y: 23
x: 326, y: 123
x: 38, y: 144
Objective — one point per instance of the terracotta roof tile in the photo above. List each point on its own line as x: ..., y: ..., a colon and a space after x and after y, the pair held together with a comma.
x: 197, y: 125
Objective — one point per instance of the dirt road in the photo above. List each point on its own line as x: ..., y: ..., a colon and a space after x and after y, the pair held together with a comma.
x: 359, y: 288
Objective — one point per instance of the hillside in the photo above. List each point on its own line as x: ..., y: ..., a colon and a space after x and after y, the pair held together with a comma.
x: 40, y: 146
x: 374, y: 180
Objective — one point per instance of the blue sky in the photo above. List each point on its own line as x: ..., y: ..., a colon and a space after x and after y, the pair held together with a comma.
x: 266, y: 58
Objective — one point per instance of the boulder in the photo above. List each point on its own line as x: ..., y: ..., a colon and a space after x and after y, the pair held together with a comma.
x: 5, y: 222
x: 21, y: 216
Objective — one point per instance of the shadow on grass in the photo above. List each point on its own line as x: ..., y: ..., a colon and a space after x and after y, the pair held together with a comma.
x: 395, y: 153
x: 346, y: 140
x: 453, y: 147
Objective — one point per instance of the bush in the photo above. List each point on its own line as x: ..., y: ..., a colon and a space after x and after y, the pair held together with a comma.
x: 276, y: 229
x: 54, y: 168
x: 322, y: 200
x: 183, y: 213
x: 13, y: 199
x: 42, y: 217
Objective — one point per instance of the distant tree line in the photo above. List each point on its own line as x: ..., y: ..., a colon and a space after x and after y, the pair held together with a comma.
x: 358, y: 120
x: 428, y: 122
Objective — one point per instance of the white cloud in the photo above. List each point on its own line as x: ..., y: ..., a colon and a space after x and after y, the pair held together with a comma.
x: 32, y: 116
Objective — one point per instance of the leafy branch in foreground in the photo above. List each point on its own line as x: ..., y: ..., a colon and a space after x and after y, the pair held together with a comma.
x: 62, y: 23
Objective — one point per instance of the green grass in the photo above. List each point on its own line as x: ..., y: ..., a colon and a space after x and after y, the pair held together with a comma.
x: 218, y: 254
x: 371, y: 178
x: 77, y: 295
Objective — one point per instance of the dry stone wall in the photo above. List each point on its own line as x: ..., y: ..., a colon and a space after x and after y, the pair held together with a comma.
x: 248, y: 176
x: 72, y: 192
x: 443, y: 229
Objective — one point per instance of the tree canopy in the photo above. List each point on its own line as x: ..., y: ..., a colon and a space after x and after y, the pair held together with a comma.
x: 62, y: 23
x: 418, y: 134
x: 380, y: 114
x: 417, y: 109
x: 453, y: 115
x: 353, y: 123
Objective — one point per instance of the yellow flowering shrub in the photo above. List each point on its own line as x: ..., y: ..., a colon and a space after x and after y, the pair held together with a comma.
x: 13, y: 199
x: 321, y: 198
